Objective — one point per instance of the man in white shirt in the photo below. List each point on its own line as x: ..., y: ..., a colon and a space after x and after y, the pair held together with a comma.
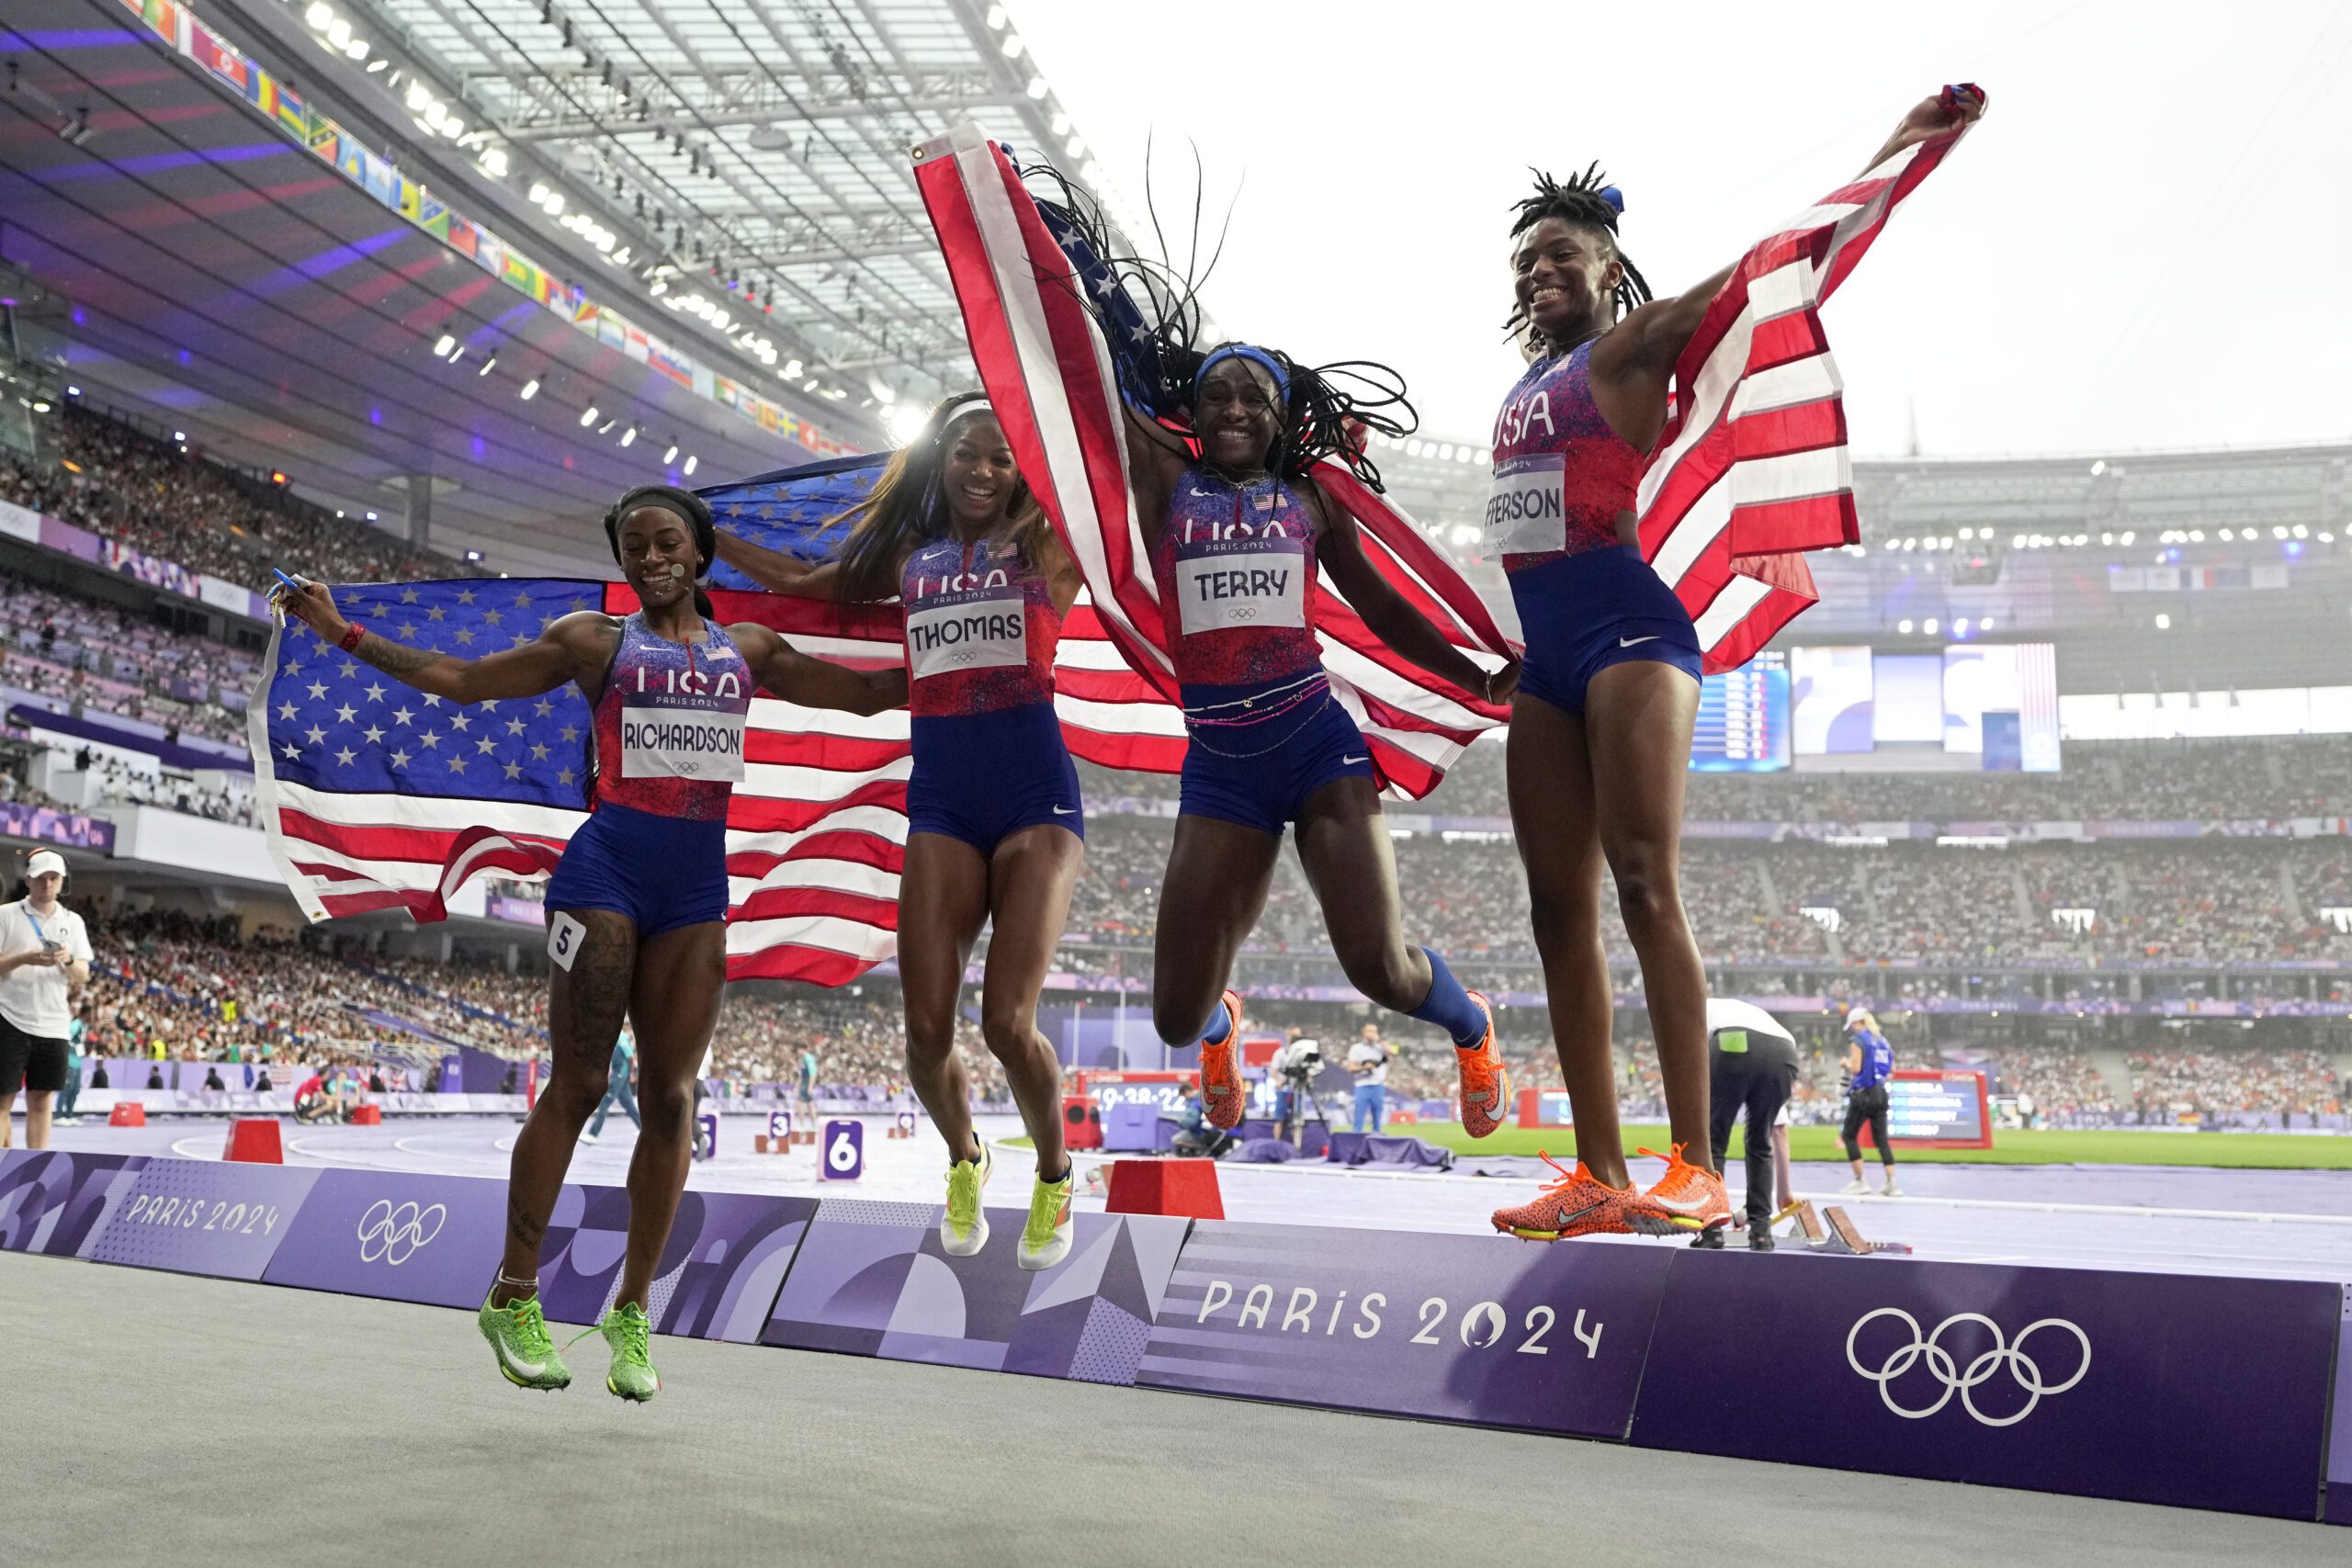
x: 44, y: 960
x: 1368, y: 1059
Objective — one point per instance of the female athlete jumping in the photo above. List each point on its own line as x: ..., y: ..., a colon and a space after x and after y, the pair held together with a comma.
x: 1234, y: 538
x: 1601, y: 729
x: 635, y: 908
x: 994, y: 829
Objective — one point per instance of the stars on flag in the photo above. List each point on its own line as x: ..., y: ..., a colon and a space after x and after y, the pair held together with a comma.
x: 323, y: 736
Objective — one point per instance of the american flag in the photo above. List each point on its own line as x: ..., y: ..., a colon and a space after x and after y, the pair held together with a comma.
x: 376, y: 795
x: 1053, y: 378
x: 1753, y: 468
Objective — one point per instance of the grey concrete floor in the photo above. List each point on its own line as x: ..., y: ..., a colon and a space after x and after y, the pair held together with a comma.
x: 157, y: 1418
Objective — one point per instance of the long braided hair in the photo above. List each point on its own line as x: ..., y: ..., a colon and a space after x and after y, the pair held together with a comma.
x: 1589, y: 202
x: 1161, y: 338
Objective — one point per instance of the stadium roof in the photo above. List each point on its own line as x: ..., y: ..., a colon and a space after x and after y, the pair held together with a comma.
x: 257, y: 209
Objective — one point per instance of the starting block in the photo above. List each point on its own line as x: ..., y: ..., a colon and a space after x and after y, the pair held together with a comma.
x: 1166, y: 1186
x: 127, y: 1114
x: 808, y: 1137
x: 255, y: 1140
x: 366, y: 1116
x: 1839, y: 1237
x: 903, y: 1126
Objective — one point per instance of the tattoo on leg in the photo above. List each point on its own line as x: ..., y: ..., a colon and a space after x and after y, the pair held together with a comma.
x: 521, y: 1225
x: 600, y: 987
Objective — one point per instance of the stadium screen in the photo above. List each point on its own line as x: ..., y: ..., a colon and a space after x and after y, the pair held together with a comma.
x: 1947, y: 1110
x: 1744, y: 720
x: 1997, y: 702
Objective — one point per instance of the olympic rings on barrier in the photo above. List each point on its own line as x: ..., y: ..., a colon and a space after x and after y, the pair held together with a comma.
x: 1981, y: 1369
x: 394, y: 1234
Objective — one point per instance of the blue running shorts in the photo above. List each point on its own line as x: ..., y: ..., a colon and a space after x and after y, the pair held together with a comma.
x: 1583, y: 613
x: 982, y: 777
x: 1262, y: 775
x: 661, y: 872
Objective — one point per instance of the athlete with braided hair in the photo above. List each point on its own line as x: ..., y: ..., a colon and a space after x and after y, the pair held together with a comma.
x: 637, y: 905
x: 1601, y: 727
x: 994, y: 824
x: 1234, y: 533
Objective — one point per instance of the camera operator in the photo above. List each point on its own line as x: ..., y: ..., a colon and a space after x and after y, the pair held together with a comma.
x: 44, y: 961
x: 1196, y: 1137
x: 1368, y: 1060
x: 1293, y: 1067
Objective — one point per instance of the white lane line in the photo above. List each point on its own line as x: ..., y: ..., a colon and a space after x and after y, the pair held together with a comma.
x: 2131, y: 1211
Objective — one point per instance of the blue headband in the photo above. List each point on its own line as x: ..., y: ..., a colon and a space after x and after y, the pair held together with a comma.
x: 1255, y: 356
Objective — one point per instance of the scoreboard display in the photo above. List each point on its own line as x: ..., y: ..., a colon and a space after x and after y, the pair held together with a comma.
x: 1743, y: 723
x: 1946, y: 1109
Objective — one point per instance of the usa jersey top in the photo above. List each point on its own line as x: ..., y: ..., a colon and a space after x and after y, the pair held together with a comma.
x: 1561, y: 474
x: 1878, y: 1059
x: 980, y: 628
x: 1236, y: 568
x: 670, y: 723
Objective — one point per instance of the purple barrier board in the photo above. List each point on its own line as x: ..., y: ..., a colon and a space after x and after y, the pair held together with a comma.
x: 2339, y: 1457
x: 56, y: 1203
x: 396, y: 1236
x: 1453, y: 1328
x: 2145, y: 1387
x: 204, y: 1217
x: 727, y: 1254
x: 872, y: 1279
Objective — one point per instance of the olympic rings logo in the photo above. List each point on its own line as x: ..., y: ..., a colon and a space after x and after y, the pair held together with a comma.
x: 1940, y: 1363
x: 395, y: 1235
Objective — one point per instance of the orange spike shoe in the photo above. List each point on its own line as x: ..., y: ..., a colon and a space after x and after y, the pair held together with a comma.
x: 1687, y: 1197
x: 1485, y: 1081
x: 1577, y: 1203
x: 1223, y: 1093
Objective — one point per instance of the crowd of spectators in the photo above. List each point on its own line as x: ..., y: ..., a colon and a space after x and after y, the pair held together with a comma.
x: 2259, y: 1081
x: 2215, y: 902
x: 106, y: 660
x: 160, y: 499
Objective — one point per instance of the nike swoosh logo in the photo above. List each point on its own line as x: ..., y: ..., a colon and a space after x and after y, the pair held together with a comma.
x: 1064, y: 811
x: 1566, y: 1215
x: 1687, y: 1206
x: 1355, y: 759
x: 1636, y: 641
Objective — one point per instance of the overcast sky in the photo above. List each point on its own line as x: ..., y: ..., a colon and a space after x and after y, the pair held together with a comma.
x: 2145, y: 244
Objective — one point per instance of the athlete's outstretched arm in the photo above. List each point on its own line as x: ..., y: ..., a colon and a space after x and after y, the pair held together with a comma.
x: 778, y: 572
x: 791, y: 674
x: 1392, y: 618
x: 571, y: 645
x: 1157, y: 459
x: 1633, y: 362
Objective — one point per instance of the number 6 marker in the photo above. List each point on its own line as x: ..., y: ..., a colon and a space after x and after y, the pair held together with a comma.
x: 845, y: 1152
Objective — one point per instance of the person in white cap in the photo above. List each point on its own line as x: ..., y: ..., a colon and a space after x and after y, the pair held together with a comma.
x: 44, y: 959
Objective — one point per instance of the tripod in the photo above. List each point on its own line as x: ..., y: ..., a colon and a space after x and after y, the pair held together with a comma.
x: 1304, y: 1107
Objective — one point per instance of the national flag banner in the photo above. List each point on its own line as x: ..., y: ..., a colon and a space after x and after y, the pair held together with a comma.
x: 1753, y: 468
x: 1055, y: 381
x: 669, y: 362
x: 294, y: 114
x: 207, y: 50
x: 375, y: 795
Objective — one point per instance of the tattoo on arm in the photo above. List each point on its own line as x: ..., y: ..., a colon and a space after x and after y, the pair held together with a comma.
x: 390, y: 657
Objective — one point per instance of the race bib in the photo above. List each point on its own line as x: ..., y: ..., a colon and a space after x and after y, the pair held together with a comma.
x: 1243, y: 582
x: 979, y: 631
x: 659, y: 742
x: 1524, y: 510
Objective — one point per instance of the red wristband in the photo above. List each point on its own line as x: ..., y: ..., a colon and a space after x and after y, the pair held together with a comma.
x: 351, y: 637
